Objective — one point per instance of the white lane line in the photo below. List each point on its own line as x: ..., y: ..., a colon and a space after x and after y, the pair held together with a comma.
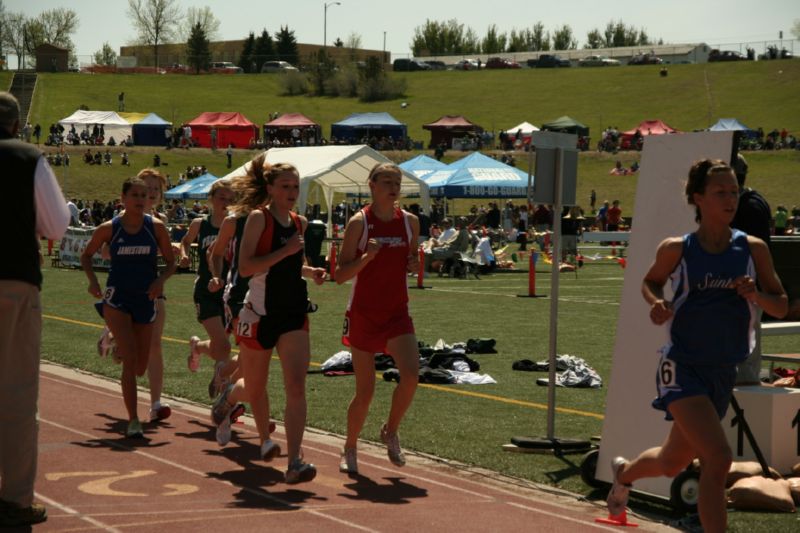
x: 593, y: 525
x: 72, y: 512
x: 204, y: 475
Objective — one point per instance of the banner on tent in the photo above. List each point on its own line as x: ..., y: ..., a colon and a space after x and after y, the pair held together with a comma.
x: 479, y: 191
x: 72, y: 245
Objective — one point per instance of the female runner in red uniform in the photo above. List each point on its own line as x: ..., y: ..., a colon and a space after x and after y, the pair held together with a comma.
x: 378, y: 250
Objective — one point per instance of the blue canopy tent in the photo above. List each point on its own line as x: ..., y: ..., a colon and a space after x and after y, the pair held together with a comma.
x: 193, y: 189
x: 732, y: 124
x: 478, y: 176
x: 359, y: 125
x: 150, y: 131
x: 422, y: 166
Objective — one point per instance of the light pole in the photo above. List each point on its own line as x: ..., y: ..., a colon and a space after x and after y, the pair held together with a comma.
x: 325, y: 23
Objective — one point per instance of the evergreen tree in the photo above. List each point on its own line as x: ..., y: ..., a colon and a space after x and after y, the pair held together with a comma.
x: 198, y: 50
x: 263, y: 51
x: 286, y: 45
x: 246, y: 59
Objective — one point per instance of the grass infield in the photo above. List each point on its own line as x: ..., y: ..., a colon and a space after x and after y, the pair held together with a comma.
x: 463, y: 423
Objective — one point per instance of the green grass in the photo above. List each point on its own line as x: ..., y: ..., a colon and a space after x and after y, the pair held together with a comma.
x: 464, y: 423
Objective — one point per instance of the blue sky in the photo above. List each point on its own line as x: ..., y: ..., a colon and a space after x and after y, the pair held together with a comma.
x: 710, y: 21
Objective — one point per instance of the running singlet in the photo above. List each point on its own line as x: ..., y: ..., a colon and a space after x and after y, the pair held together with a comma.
x: 205, y: 239
x: 133, y: 257
x: 235, y: 285
x: 281, y: 289
x: 382, y: 285
x: 712, y: 324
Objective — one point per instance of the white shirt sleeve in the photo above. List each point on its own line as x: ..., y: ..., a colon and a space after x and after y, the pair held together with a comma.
x: 52, y: 214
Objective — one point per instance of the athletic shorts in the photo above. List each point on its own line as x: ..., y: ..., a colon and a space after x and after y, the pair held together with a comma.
x: 676, y: 380
x: 371, y: 331
x: 141, y: 308
x: 262, y: 333
x: 208, y: 305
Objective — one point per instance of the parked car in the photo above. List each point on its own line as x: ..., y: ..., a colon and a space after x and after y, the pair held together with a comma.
x: 225, y: 67
x: 436, y: 65
x: 501, y: 62
x: 467, y: 64
x: 597, y: 61
x: 645, y: 59
x: 277, y: 66
x: 725, y: 55
x: 548, y: 61
x: 409, y: 65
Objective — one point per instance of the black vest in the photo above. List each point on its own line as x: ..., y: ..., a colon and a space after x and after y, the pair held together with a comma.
x: 18, y: 216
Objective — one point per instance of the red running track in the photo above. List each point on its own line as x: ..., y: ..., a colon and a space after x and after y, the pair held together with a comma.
x: 178, y: 479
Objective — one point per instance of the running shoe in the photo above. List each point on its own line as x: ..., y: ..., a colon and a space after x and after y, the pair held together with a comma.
x: 134, y: 430
x: 224, y: 432
x: 160, y: 411
x: 194, y: 354
x: 348, y: 463
x: 269, y: 450
x: 221, y: 409
x: 12, y: 515
x: 392, y: 442
x: 300, y: 472
x: 218, y: 382
x: 618, y: 495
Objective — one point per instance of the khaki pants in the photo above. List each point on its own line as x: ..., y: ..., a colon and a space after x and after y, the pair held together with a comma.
x: 20, y: 341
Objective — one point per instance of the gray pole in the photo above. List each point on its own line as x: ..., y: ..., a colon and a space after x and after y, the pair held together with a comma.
x: 554, y: 275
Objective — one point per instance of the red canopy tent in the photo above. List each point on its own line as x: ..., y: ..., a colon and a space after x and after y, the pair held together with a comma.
x: 282, y: 128
x: 232, y: 128
x: 450, y: 127
x: 648, y: 127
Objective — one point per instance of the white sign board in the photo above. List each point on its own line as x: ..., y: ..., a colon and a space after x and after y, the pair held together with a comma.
x: 631, y: 425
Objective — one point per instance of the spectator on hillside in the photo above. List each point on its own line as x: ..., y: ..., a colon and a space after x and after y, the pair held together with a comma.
x: 124, y: 159
x: 121, y: 101
x: 37, y: 132
x: 613, y: 216
x: 602, y: 214
x: 156, y: 160
x: 107, y: 157
x: 780, y: 218
x: 229, y: 155
x: 618, y: 169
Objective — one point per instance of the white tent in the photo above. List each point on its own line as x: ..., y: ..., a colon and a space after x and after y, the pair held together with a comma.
x: 525, y: 129
x: 113, y: 124
x: 338, y: 169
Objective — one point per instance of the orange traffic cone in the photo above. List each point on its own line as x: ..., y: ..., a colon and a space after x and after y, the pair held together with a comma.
x: 618, y: 520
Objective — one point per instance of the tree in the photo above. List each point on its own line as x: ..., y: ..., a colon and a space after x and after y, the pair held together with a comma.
x: 209, y: 23
x: 246, y: 59
x: 353, y: 43
x: 539, y: 40
x: 516, y: 41
x: 494, y: 42
x: 796, y: 29
x: 562, y: 38
x: 197, y: 49
x: 286, y: 45
x: 594, y: 39
x: 471, y: 43
x: 105, y: 56
x: 618, y: 34
x: 156, y: 21
x: 13, y: 31
x: 56, y: 26
x: 264, y: 50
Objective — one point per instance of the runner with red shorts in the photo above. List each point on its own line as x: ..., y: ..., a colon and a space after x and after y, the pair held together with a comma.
x: 378, y: 251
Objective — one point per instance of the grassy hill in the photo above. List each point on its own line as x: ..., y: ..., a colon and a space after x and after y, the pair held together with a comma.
x: 692, y: 97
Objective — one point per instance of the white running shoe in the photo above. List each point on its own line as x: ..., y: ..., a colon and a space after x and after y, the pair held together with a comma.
x: 194, y: 354
x: 392, y: 442
x: 618, y: 495
x: 349, y: 461
x: 269, y: 450
x: 224, y: 432
x: 160, y: 411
